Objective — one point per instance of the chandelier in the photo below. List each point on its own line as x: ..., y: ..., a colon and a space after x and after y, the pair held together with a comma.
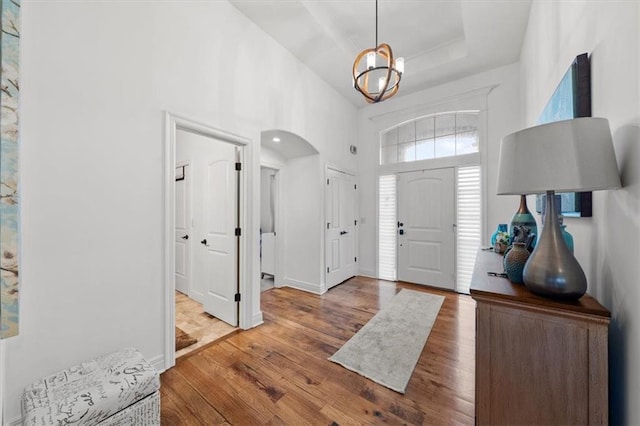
x: 375, y: 73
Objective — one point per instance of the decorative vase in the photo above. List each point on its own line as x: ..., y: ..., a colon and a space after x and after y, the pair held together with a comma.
x: 524, y: 218
x: 514, y: 261
x: 499, y: 247
x: 501, y: 228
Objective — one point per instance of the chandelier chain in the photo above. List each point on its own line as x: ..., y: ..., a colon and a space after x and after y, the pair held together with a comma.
x: 376, y: 45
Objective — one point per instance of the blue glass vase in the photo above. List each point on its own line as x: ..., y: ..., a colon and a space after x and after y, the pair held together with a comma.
x: 523, y: 217
x: 501, y: 228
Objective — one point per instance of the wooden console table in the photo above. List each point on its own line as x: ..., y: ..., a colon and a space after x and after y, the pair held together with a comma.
x: 538, y: 360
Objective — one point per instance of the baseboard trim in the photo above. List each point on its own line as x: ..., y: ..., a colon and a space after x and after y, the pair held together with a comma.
x: 158, y: 363
x: 257, y: 319
x: 304, y: 286
x: 369, y: 273
x: 16, y: 422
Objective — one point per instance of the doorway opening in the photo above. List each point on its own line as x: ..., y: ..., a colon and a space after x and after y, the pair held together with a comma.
x: 268, y: 230
x: 206, y: 251
x: 281, y: 153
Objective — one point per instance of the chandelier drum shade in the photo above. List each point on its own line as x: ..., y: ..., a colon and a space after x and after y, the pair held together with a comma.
x: 376, y: 74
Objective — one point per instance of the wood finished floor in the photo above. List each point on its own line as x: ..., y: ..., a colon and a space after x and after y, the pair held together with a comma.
x: 278, y: 373
x: 192, y: 319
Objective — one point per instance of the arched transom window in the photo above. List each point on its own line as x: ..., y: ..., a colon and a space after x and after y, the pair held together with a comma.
x: 432, y: 136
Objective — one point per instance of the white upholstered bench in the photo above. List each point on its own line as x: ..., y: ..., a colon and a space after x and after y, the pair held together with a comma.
x: 120, y: 388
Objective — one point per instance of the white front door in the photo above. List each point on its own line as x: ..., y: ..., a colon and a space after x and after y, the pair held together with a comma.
x: 183, y: 225
x: 218, y: 243
x: 341, y: 227
x: 426, y: 225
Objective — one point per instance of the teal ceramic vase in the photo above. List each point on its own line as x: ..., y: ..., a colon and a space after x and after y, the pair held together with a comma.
x: 514, y: 262
x: 568, y: 238
x: 523, y: 217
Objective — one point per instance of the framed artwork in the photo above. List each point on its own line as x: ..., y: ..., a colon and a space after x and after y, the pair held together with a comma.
x: 9, y: 195
x: 571, y: 99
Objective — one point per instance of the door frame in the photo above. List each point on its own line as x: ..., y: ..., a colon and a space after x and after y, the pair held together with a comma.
x: 174, y: 122
x: 279, y: 252
x: 323, y: 229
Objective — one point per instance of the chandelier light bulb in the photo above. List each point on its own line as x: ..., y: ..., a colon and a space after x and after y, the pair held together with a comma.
x: 400, y: 65
x: 371, y: 60
x: 381, y: 82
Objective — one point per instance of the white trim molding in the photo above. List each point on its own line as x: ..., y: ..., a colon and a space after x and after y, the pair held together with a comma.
x: 3, y: 375
x: 172, y: 124
x: 305, y: 286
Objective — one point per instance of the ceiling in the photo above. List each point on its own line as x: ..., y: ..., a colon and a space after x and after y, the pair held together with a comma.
x: 441, y: 40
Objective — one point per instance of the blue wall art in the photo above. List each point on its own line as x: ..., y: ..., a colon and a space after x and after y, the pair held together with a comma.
x: 9, y: 149
x: 571, y: 99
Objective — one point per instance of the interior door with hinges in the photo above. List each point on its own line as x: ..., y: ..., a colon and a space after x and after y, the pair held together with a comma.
x: 340, y: 244
x: 219, y: 240
x: 426, y: 228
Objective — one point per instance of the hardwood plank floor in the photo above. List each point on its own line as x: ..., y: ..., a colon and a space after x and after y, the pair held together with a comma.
x: 278, y: 373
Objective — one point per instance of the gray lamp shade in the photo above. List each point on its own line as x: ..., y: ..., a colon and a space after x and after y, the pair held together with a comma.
x: 565, y: 156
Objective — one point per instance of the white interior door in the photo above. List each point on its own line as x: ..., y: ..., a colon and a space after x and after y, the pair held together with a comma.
x: 182, y: 237
x: 218, y: 243
x: 426, y: 225
x: 340, y: 241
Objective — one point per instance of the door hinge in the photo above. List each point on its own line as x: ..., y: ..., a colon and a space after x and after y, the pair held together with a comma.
x: 355, y: 222
x: 355, y: 186
x: 236, y: 298
x: 238, y: 166
x: 327, y: 225
x: 238, y: 232
x: 327, y: 181
x: 355, y: 259
x: 327, y: 269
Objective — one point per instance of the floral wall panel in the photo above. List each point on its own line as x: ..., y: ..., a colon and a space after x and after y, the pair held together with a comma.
x: 9, y: 200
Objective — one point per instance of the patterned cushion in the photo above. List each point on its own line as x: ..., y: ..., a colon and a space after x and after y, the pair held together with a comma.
x: 88, y: 393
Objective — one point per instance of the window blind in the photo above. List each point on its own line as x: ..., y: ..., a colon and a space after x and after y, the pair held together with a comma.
x: 387, y: 228
x: 469, y: 224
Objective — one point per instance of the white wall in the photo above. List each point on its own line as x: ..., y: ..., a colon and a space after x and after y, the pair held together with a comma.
x: 500, y: 107
x: 302, y: 216
x: 607, y: 245
x: 96, y: 79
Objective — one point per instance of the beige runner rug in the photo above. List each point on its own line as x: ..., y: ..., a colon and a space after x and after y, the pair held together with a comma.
x: 387, y: 348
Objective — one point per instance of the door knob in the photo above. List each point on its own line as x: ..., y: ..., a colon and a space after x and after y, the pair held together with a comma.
x: 204, y: 242
x: 401, y: 232
x: 185, y: 237
x: 400, y: 224
x: 343, y: 232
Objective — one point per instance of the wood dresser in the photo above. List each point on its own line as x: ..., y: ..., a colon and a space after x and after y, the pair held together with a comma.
x: 538, y: 360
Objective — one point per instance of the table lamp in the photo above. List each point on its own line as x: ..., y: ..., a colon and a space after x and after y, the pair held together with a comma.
x: 565, y: 156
